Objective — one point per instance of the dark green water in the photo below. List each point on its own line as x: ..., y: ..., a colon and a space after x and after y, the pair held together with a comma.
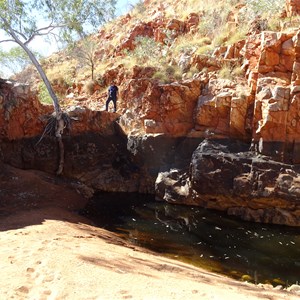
x: 242, y: 250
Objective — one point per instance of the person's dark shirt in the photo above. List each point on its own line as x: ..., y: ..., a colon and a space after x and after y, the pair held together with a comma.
x: 112, y: 91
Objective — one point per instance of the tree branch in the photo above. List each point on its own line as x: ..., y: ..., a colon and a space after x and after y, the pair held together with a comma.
x: 39, y: 32
x: 10, y: 31
x: 20, y: 34
x: 7, y: 41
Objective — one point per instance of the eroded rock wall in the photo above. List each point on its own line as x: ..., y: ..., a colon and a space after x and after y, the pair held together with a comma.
x: 261, y: 108
x: 292, y: 7
x: 224, y: 175
x: 23, y: 116
x: 20, y: 111
x: 149, y: 145
x: 252, y: 187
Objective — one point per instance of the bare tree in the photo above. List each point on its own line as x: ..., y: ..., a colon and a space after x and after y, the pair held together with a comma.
x: 85, y: 53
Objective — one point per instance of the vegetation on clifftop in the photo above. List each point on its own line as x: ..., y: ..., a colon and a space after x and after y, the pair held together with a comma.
x: 219, y: 24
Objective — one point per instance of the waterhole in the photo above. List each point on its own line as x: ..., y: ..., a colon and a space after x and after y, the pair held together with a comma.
x: 248, y: 251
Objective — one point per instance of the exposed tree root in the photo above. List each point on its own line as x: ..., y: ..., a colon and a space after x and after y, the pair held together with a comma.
x: 55, y: 126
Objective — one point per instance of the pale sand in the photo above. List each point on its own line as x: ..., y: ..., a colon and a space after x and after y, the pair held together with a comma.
x: 49, y: 252
x: 63, y: 258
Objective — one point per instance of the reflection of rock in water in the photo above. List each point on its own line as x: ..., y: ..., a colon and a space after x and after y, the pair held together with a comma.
x: 202, y: 237
x: 173, y: 218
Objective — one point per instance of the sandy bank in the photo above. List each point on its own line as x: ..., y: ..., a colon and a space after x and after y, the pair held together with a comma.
x: 49, y: 252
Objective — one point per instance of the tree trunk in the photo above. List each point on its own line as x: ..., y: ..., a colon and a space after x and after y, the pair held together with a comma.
x: 58, y: 113
x: 61, y: 156
x: 93, y: 71
x: 45, y: 79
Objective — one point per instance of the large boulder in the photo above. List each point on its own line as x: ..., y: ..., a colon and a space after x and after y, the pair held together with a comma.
x: 224, y: 175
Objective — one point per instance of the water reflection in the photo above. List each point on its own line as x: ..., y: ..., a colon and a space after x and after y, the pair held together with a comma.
x: 242, y: 250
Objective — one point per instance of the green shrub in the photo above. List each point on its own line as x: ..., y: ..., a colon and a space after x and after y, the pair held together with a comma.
x: 267, y: 11
x: 265, y: 7
x: 160, y: 76
x: 230, y: 71
x: 204, y: 41
x: 178, y: 74
x: 207, y: 49
x: 225, y: 72
x: 59, y: 81
x: 237, y: 71
x: 193, y: 70
x: 146, y: 49
x: 167, y: 73
x: 43, y: 94
x: 238, y: 35
x: 140, y: 7
x: 147, y: 52
x: 170, y: 70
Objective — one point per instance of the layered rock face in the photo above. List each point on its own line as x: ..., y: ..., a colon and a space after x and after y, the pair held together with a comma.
x: 275, y: 117
x: 218, y: 174
x: 151, y: 145
x: 154, y: 108
x: 292, y: 7
x: 20, y: 111
x: 263, y: 109
x: 23, y: 116
x: 223, y: 175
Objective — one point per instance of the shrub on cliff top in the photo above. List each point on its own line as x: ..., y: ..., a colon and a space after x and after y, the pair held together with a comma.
x: 147, y: 52
x: 168, y: 73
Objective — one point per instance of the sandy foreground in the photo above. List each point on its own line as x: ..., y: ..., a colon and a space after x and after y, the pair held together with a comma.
x: 49, y: 252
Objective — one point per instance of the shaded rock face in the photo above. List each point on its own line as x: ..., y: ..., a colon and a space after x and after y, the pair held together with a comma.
x: 223, y: 175
x: 32, y: 189
x: 110, y: 162
x: 102, y: 162
x: 247, y: 185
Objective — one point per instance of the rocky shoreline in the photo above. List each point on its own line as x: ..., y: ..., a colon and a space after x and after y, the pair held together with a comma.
x: 218, y: 174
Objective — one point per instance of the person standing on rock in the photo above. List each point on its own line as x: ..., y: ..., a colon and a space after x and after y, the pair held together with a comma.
x: 113, y: 92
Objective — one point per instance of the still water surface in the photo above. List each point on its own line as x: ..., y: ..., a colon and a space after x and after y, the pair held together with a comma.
x: 242, y: 250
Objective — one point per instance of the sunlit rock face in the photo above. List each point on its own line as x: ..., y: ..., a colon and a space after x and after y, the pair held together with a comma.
x: 20, y: 111
x: 261, y: 108
x: 222, y: 111
x: 292, y: 7
x: 154, y: 108
x: 150, y: 144
x: 275, y: 118
x: 267, y: 109
x: 23, y: 115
